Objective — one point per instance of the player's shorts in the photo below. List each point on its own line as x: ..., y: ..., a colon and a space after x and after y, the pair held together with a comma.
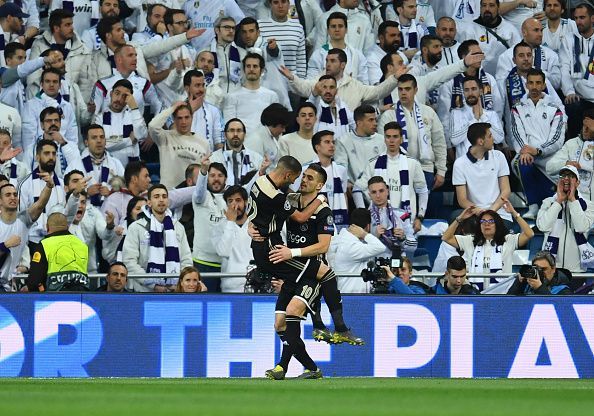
x: 306, y: 290
x: 293, y: 270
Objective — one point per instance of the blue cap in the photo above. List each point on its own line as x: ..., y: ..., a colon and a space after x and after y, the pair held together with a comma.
x: 11, y: 9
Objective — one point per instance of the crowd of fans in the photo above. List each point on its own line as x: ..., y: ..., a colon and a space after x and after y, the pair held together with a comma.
x: 138, y: 128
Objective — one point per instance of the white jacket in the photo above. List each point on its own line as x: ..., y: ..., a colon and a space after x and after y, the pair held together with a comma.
x: 459, y: 121
x: 233, y: 243
x: 348, y: 254
x: 136, y: 252
x: 549, y: 64
x: 11, y: 120
x: 360, y: 34
x: 91, y: 226
x: 356, y: 66
x: 572, y: 150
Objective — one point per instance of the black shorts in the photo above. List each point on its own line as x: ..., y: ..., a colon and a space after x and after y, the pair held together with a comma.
x: 306, y: 290
x: 293, y: 270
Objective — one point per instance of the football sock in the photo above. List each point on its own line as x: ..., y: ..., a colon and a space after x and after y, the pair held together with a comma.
x: 333, y: 299
x: 286, y: 353
x: 316, y: 318
x: 293, y: 337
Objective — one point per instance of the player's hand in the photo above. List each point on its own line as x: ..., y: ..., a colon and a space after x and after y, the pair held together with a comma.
x: 561, y: 195
x: 147, y: 144
x: 161, y: 29
x: 254, y: 233
x: 279, y: 254
x: 572, y: 189
x: 13, y: 241
x: 473, y: 59
x: 196, y: 101
x: 477, y: 211
x: 104, y: 191
x: 380, y: 230
x: 277, y: 285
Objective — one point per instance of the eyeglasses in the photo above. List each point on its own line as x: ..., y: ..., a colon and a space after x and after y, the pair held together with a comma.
x: 182, y: 22
x: 487, y: 221
x: 566, y: 176
x: 226, y: 27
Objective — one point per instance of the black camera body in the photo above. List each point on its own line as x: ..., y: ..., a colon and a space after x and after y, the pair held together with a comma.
x: 528, y: 271
x: 258, y: 282
x: 378, y: 276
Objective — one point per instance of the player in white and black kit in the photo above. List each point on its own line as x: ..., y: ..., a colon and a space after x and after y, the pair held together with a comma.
x: 269, y: 208
x: 14, y: 226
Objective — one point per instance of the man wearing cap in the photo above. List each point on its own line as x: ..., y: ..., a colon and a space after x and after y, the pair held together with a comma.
x: 578, y: 152
x: 566, y: 218
x: 11, y: 22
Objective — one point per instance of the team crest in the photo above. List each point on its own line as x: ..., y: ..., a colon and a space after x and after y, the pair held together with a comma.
x: 483, y: 38
x: 329, y: 220
x: 303, y: 227
x: 287, y: 205
x: 544, y: 115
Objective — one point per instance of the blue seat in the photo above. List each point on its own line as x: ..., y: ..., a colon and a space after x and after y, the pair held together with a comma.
x: 431, y: 244
x: 535, y: 244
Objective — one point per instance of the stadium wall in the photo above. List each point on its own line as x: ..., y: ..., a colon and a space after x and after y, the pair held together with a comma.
x: 102, y: 335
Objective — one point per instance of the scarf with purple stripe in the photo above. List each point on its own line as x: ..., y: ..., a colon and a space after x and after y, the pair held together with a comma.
x: 163, y: 252
x: 13, y: 176
x: 552, y: 242
x: 126, y: 129
x: 412, y: 36
x: 234, y: 74
x: 514, y: 87
x: 423, y: 140
x: 458, y: 91
x: 88, y: 164
x: 577, y: 64
x: 381, y: 169
x: 327, y: 117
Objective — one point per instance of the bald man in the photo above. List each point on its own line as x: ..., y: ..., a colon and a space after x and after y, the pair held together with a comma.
x: 59, y: 262
x: 545, y: 58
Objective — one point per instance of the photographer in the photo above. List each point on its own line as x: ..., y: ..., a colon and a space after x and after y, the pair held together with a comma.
x: 543, y: 278
x: 455, y: 280
x: 352, y: 248
x: 401, y: 283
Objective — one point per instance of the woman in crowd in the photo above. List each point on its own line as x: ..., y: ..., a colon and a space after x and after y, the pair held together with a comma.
x: 491, y: 248
x: 190, y: 281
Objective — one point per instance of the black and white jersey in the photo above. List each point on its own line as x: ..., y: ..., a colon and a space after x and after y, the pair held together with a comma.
x: 306, y: 234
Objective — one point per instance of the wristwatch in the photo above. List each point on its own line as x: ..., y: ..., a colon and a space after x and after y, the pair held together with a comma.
x: 538, y: 152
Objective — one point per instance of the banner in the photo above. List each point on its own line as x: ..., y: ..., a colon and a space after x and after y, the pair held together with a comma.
x: 104, y: 335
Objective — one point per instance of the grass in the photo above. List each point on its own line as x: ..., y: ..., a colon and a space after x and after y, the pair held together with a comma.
x: 331, y: 396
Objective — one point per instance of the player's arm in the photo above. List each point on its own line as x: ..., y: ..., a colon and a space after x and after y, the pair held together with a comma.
x: 302, y: 216
x: 282, y: 253
x: 38, y: 271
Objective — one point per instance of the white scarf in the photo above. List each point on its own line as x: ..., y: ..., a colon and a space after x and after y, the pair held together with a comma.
x: 423, y: 139
x: 478, y: 259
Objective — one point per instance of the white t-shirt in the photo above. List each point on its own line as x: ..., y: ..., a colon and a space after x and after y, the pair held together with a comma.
x: 465, y: 242
x: 481, y: 178
x: 20, y: 226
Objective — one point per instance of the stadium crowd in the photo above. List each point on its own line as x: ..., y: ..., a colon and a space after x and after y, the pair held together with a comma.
x: 131, y: 133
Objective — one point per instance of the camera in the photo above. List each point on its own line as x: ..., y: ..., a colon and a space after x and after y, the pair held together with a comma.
x: 528, y: 271
x: 257, y: 281
x: 376, y: 275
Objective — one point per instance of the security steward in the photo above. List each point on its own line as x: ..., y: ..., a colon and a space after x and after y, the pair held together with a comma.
x: 59, y: 262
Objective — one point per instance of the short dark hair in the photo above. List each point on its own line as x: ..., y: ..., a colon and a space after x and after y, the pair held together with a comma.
x: 192, y: 73
x: 589, y: 113
x: 392, y: 125
x: 588, y: 7
x: 46, y: 112
x: 427, y: 39
x: 500, y: 230
x: 11, y: 48
x: 189, y: 173
x: 289, y: 163
x: 307, y: 104
x: 519, y: 45
x: 477, y: 131
x: 248, y: 21
x: 45, y: 142
x: 116, y: 263
x: 232, y: 120
x: 360, y: 217
x: 155, y: 187
x: 168, y: 17
x: 5, y: 185
x: 123, y: 83
x: 131, y: 204
x: 56, y: 17
x: 235, y: 189
x: 68, y: 176
x: 218, y: 166
x: 342, y: 56
x: 387, y: 60
x: 276, y: 114
x: 456, y: 263
x: 336, y: 15
x: 376, y: 179
x: 93, y: 126
x: 326, y: 76
x: 464, y: 47
x: 317, y: 138
x: 3, y: 177
x: 106, y: 25
x: 362, y: 110
x: 133, y: 169
x: 408, y: 78
x: 383, y: 27
x: 253, y: 55
x: 50, y: 71
x: 319, y: 170
x: 536, y: 72
x: 150, y: 8
x: 475, y: 79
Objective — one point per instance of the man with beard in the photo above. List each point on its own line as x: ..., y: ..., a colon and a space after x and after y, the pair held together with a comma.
x: 298, y: 144
x: 156, y: 243
x: 538, y: 129
x: 446, y: 31
x: 356, y: 66
x: 451, y: 94
x: 15, y: 224
x: 179, y: 146
x: 557, y: 30
x: 155, y: 28
x: 494, y: 34
x: 431, y: 53
x: 231, y: 239
x: 207, y: 120
x: 240, y: 163
x: 209, y: 209
x: 122, y: 123
x: 545, y: 59
x: 389, y: 41
x: 49, y: 96
x: 251, y: 99
x: 68, y: 154
x: 248, y: 37
x: 472, y: 112
x: 116, y: 279
x: 334, y: 113
x: 107, y: 8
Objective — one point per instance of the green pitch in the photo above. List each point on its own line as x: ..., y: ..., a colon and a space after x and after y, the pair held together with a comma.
x: 331, y: 396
